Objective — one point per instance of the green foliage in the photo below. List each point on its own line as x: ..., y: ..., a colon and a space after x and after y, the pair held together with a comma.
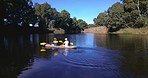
x: 64, y: 17
x: 50, y: 18
x: 52, y: 24
x: 116, y: 15
x: 103, y: 19
x: 81, y: 24
x: 129, y: 13
x: 12, y: 14
x: 42, y: 12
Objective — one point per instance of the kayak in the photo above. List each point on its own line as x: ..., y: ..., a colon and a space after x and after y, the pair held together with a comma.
x: 48, y: 46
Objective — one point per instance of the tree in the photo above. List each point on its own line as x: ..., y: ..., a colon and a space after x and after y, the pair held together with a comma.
x: 135, y: 11
x: 42, y: 12
x: 116, y: 15
x: 64, y: 17
x: 81, y: 24
x: 53, y: 14
x: 102, y: 19
x: 52, y: 24
x: 50, y: 18
x: 14, y: 14
x: 129, y: 13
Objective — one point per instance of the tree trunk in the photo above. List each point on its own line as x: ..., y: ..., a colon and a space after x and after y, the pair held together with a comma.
x: 139, y: 8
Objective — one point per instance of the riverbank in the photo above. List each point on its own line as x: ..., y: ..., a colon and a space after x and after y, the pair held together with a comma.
x: 143, y: 30
x: 29, y: 30
x: 100, y: 29
x: 104, y: 30
x: 57, y: 30
x: 23, y: 30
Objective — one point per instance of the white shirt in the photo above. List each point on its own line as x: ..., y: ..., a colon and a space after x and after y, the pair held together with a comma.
x: 66, y: 43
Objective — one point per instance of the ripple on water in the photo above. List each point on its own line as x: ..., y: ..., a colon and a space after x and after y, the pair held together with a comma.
x: 89, y: 58
x: 96, y: 60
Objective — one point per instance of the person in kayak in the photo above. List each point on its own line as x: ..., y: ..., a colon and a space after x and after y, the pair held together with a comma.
x: 55, y: 41
x: 60, y: 43
x: 66, y: 42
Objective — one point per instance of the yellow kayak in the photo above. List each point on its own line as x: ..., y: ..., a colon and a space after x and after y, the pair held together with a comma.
x: 48, y: 46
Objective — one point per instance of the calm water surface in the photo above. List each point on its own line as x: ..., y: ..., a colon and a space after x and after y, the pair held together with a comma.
x: 97, y: 56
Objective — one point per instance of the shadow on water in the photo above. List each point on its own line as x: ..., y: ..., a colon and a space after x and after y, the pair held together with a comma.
x: 18, y: 52
x: 97, y: 56
x: 135, y: 52
x: 15, y: 55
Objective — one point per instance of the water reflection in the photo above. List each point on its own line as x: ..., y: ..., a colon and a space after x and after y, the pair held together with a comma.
x: 97, y: 56
x: 15, y: 55
x: 65, y: 52
x: 56, y: 53
x: 18, y: 52
x: 134, y: 51
x: 42, y: 49
x: 84, y: 40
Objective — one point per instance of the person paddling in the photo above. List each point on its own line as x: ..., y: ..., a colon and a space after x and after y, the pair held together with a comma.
x: 60, y: 43
x: 66, y: 42
x: 55, y: 41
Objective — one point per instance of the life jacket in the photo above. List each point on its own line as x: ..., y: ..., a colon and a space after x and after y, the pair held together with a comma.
x: 55, y: 41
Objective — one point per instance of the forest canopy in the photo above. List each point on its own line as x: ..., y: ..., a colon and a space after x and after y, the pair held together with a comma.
x: 127, y: 13
x: 22, y: 13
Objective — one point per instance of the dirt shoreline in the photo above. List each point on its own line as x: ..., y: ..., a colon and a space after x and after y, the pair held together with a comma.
x: 100, y: 29
x: 104, y: 30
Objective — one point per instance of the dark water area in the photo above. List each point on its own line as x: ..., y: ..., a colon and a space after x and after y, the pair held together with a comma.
x: 96, y: 56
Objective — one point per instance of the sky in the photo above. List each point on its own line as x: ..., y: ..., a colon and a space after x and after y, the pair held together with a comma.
x: 81, y: 9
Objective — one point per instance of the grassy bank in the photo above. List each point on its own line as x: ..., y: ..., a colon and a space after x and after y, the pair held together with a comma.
x: 104, y: 30
x: 99, y: 29
x: 143, y: 30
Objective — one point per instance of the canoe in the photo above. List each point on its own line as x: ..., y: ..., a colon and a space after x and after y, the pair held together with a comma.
x: 48, y: 46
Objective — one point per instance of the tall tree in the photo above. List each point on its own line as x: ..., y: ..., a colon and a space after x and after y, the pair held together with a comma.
x: 103, y: 19
x: 53, y: 15
x: 64, y: 17
x: 136, y: 12
x: 42, y: 12
x: 81, y: 24
x: 51, y: 18
x: 52, y: 24
x: 129, y: 13
x: 116, y: 15
x: 14, y: 14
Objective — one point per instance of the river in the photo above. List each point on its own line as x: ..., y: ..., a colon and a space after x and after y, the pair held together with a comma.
x: 96, y: 56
